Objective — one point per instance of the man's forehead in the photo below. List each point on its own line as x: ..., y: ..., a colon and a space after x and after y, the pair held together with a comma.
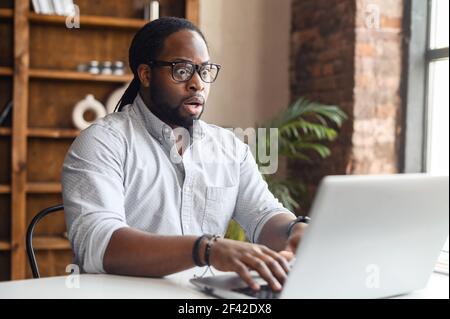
x: 185, y: 45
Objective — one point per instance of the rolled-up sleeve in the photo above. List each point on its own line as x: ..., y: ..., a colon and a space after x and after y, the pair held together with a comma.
x: 255, y: 203
x: 93, y: 194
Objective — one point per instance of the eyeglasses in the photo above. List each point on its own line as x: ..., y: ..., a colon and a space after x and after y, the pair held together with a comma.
x: 183, y: 71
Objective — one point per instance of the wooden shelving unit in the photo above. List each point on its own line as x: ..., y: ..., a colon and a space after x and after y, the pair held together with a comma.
x: 38, y: 76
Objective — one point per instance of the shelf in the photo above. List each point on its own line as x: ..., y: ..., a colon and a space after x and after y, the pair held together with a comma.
x: 78, y: 76
x: 53, y: 133
x: 5, y: 71
x: 44, y: 132
x: 6, y: 13
x: 43, y: 188
x: 5, y: 245
x: 90, y: 21
x: 51, y: 243
x: 5, y: 189
x: 5, y: 131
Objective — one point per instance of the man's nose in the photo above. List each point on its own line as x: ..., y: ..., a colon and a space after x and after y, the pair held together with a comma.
x: 196, y: 83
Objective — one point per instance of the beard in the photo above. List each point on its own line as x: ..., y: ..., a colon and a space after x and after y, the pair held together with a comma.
x: 170, y: 114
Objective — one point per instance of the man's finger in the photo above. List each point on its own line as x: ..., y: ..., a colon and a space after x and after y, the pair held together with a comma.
x: 288, y: 255
x: 263, y: 270
x: 280, y: 259
x: 242, y: 270
x: 277, y: 270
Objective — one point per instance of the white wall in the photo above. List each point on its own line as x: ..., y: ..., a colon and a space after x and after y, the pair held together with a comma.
x: 251, y: 39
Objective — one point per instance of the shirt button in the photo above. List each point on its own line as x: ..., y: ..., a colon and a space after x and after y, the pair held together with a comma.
x: 176, y: 159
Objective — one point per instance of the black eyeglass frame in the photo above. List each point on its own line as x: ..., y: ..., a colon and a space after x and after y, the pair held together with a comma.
x: 198, y: 67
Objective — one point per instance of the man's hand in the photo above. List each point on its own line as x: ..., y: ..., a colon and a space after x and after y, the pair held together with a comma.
x: 241, y: 257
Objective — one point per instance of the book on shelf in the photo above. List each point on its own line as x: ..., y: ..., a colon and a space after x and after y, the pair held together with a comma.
x: 44, y: 6
x: 36, y: 6
x: 51, y: 7
x: 4, y: 115
x: 69, y: 7
x: 58, y: 7
x: 151, y: 10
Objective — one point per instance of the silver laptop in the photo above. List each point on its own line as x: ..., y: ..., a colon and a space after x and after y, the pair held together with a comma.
x: 370, y: 237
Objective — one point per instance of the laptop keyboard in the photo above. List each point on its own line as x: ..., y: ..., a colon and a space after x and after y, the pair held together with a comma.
x: 264, y: 293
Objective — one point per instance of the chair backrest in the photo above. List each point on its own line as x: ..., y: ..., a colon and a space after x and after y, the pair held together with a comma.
x: 29, y: 236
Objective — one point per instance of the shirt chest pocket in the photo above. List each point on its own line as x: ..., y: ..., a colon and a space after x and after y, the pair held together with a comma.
x: 219, y: 207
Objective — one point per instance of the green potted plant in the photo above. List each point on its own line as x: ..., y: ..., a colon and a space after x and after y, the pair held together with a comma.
x: 303, y: 129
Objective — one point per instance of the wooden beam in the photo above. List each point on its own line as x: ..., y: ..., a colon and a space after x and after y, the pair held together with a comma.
x: 6, y: 13
x: 51, y: 243
x: 5, y: 71
x: 43, y: 188
x: 90, y: 21
x: 5, y: 189
x: 5, y: 131
x: 52, y: 133
x: 193, y: 11
x: 19, y: 138
x: 79, y: 76
x: 4, y: 245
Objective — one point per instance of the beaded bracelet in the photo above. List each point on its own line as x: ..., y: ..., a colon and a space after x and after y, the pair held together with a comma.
x: 211, y: 241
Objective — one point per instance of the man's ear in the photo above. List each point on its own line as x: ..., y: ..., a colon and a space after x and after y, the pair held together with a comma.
x: 144, y: 72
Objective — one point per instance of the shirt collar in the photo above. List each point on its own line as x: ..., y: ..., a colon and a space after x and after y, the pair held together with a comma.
x: 160, y: 130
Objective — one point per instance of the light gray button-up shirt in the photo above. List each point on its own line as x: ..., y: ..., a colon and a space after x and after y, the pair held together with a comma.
x: 125, y: 171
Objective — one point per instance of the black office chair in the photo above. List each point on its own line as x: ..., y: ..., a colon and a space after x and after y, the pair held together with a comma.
x: 29, y: 236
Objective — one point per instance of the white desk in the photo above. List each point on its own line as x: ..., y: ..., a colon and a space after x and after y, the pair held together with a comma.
x: 176, y: 286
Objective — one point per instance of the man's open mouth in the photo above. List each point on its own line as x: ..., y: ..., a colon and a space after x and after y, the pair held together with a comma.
x: 193, y: 105
x: 193, y: 108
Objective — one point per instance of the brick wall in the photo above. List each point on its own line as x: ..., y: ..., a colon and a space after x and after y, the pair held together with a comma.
x: 349, y: 53
x: 377, y: 95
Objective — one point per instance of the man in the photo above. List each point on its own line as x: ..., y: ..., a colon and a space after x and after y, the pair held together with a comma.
x: 137, y: 199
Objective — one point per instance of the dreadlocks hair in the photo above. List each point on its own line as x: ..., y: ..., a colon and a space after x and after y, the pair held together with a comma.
x: 147, y: 45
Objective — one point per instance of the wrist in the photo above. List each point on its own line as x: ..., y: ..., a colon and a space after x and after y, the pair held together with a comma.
x: 201, y: 250
x: 299, y: 223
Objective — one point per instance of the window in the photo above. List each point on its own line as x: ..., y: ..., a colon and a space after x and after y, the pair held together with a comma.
x: 427, y: 94
x: 437, y: 97
x: 437, y: 123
